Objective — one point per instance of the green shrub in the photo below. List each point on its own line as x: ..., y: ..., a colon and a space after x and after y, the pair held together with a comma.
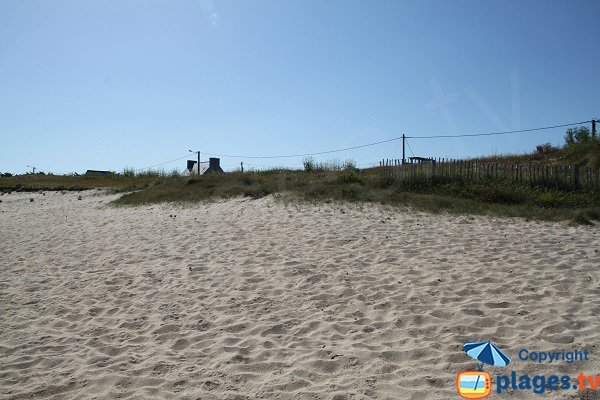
x: 249, y: 178
x: 350, y: 166
x: 353, y: 192
x: 350, y: 176
x: 385, y: 181
x: 309, y: 164
x: 546, y: 148
x: 128, y: 172
x: 256, y: 191
x: 581, y: 134
x: 548, y: 199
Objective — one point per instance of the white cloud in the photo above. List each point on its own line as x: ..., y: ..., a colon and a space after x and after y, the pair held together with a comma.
x: 214, y: 19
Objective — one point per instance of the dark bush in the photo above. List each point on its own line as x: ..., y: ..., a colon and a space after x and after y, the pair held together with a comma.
x: 546, y: 148
x: 578, y: 135
x: 309, y: 164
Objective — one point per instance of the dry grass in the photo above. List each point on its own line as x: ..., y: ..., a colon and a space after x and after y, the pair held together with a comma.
x: 348, y: 184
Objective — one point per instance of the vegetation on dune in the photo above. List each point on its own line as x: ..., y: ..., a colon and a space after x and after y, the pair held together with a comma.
x: 580, y: 148
x: 342, y: 181
x: 128, y: 180
x: 35, y: 182
x: 435, y: 195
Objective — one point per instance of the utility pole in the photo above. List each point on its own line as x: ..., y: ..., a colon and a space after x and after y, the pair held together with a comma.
x: 403, y: 141
x: 593, y: 128
x: 242, y: 165
x: 197, y: 152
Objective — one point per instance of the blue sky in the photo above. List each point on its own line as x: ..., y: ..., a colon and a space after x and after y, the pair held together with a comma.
x: 108, y: 84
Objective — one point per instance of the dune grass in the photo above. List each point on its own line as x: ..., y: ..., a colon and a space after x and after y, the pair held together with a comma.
x: 584, y: 154
x: 36, y: 182
x: 348, y: 184
x: 438, y: 195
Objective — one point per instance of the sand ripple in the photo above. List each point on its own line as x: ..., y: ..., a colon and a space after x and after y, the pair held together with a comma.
x: 249, y: 299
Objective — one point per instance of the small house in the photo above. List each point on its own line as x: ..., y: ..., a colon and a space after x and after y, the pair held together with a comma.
x: 212, y: 166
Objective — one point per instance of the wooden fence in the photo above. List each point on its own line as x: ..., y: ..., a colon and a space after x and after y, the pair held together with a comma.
x: 565, y: 176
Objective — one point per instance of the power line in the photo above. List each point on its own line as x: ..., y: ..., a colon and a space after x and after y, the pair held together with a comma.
x: 307, y: 154
x: 166, y: 162
x: 498, y: 133
x: 398, y: 138
x: 373, y: 144
x: 408, y: 144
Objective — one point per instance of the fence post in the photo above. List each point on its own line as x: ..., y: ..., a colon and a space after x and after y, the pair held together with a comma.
x: 576, y: 176
x: 471, y: 170
x: 457, y: 168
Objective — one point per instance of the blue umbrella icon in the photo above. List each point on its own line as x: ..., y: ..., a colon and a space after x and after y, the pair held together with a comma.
x: 487, y: 353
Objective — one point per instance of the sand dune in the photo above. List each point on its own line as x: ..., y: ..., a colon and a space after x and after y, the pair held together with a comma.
x: 263, y: 299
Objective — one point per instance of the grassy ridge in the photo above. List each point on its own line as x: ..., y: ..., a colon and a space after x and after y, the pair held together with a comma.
x: 35, y: 182
x: 496, y: 198
x: 435, y: 195
x: 585, y: 154
x: 344, y: 182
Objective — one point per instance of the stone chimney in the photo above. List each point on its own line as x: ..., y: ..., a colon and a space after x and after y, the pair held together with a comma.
x: 214, y: 165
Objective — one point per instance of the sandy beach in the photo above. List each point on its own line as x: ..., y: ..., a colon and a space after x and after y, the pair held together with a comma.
x: 269, y: 299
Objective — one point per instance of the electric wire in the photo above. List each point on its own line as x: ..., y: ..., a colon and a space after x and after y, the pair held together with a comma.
x: 373, y: 144
x: 408, y: 144
x: 307, y: 154
x: 163, y: 163
x: 498, y: 133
